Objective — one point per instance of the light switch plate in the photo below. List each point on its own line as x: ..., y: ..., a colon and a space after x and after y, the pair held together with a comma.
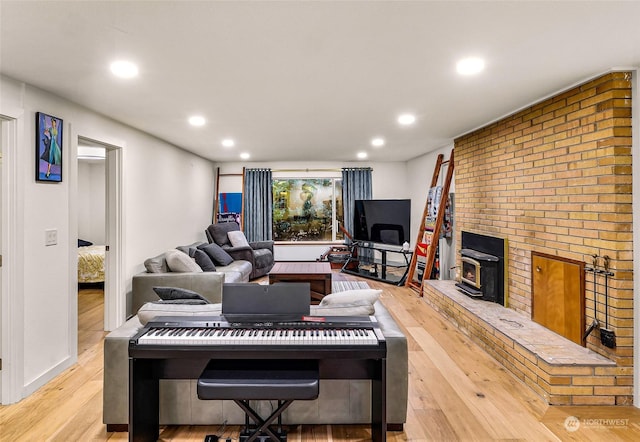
x: 50, y: 237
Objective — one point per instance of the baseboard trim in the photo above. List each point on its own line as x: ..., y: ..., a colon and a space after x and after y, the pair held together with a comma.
x: 48, y: 376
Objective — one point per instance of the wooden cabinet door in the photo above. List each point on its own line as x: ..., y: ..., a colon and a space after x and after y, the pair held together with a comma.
x: 558, y: 295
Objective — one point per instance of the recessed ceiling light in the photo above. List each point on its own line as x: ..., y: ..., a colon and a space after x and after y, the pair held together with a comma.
x: 362, y: 155
x: 124, y: 69
x: 470, y: 66
x: 197, y: 120
x: 377, y: 142
x: 406, y: 119
x: 245, y: 156
x: 228, y: 142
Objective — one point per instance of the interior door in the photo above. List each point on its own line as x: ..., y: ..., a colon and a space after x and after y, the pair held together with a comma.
x: 558, y: 295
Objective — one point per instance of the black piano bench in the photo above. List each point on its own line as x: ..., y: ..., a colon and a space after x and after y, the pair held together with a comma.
x: 243, y: 380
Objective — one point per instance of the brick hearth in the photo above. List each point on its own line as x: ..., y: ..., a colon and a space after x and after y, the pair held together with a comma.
x: 559, y: 370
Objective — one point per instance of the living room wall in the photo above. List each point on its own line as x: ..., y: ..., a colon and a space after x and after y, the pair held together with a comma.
x: 556, y: 178
x: 158, y: 214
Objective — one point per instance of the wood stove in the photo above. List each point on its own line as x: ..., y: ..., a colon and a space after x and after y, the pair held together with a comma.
x: 479, y: 276
x: 482, y: 267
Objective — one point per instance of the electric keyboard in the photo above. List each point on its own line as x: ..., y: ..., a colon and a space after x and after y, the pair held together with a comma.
x: 182, y: 348
x: 217, y: 331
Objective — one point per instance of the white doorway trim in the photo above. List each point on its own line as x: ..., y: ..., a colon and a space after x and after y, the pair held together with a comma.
x: 114, y: 285
x: 11, y: 299
x: 115, y: 294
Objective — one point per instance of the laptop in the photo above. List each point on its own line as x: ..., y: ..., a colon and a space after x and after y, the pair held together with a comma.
x: 283, y: 301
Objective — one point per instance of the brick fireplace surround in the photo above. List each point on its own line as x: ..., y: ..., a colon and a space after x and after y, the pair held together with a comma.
x: 556, y: 178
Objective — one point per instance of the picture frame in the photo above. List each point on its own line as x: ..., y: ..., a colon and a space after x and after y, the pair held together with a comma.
x: 49, y: 139
x: 229, y: 207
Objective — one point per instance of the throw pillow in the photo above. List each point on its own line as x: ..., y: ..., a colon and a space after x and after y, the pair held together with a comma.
x: 83, y: 243
x: 238, y: 239
x: 157, y: 264
x: 358, y: 308
x: 217, y: 254
x: 183, y: 301
x: 351, y: 296
x: 185, y: 249
x: 177, y: 293
x: 219, y: 232
x: 203, y: 260
x: 180, y: 262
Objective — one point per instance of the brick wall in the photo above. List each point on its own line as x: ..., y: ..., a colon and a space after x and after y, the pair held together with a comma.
x: 556, y: 178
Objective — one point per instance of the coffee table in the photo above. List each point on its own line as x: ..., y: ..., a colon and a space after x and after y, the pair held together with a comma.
x: 317, y: 274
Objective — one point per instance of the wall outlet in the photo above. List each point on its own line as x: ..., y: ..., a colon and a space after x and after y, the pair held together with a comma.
x: 50, y: 237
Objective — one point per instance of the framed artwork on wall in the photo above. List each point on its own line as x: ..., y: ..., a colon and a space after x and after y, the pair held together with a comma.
x: 229, y: 207
x: 48, y: 148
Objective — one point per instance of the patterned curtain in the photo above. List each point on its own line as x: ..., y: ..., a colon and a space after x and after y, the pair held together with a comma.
x: 258, y: 205
x: 356, y: 185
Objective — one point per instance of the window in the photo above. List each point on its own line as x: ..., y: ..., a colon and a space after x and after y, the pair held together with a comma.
x: 307, y: 209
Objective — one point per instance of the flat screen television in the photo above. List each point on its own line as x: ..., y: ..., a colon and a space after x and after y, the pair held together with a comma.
x: 382, y: 221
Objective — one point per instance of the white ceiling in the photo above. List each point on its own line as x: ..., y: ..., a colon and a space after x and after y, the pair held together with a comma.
x: 311, y: 81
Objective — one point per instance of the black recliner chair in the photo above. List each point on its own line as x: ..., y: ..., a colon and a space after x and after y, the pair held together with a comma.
x: 259, y: 253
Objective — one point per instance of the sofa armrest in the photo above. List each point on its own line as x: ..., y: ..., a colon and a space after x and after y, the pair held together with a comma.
x: 397, y: 365
x: 240, y: 253
x: 208, y: 284
x: 255, y: 245
x: 115, y: 396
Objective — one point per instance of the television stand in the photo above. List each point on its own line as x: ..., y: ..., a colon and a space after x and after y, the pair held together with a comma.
x: 382, y: 262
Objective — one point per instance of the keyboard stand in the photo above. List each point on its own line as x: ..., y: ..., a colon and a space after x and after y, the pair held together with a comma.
x: 263, y: 426
x: 245, y: 380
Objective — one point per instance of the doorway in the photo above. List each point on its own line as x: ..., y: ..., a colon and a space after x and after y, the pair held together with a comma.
x: 100, y: 165
x: 91, y: 243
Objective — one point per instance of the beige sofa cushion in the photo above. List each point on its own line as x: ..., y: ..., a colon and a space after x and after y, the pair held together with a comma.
x: 356, y: 308
x: 152, y: 310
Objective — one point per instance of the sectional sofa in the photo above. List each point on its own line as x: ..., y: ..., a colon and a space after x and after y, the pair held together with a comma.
x: 339, y: 402
x: 158, y: 274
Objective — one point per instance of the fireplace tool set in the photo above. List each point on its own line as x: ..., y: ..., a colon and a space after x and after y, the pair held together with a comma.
x: 607, y: 336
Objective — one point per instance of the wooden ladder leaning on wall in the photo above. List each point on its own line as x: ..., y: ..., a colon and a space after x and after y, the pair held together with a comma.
x: 216, y: 199
x: 432, y: 247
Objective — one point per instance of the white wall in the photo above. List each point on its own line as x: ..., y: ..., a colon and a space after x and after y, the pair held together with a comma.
x: 168, y: 201
x: 91, y: 201
x: 389, y: 182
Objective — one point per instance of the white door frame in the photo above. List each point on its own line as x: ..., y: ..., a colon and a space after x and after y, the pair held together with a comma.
x: 13, y: 258
x: 115, y: 294
x: 114, y: 287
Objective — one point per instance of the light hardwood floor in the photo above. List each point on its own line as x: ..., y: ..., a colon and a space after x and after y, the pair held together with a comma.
x: 457, y: 392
